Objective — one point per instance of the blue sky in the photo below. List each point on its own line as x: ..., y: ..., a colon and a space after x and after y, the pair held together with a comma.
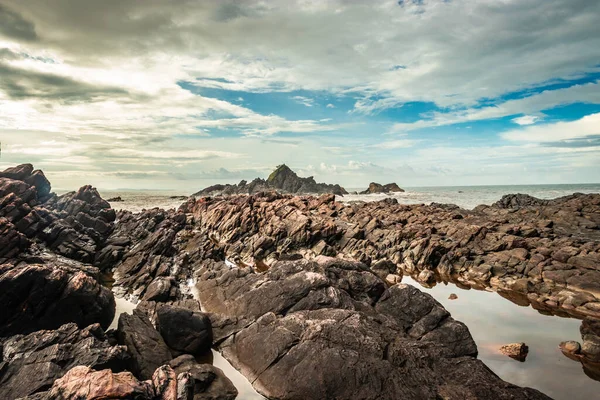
x: 129, y: 94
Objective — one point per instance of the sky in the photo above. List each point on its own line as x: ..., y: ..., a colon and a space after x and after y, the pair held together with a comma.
x: 183, y: 94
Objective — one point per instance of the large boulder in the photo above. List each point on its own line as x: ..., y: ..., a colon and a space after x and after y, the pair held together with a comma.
x: 31, y: 363
x: 42, y: 296
x: 288, y: 328
x: 184, y: 330
x: 147, y: 348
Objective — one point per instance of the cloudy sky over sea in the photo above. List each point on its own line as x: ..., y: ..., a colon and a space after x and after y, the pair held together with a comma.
x: 179, y: 94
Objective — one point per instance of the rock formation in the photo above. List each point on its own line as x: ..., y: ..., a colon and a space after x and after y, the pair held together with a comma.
x: 295, y: 288
x: 282, y: 180
x: 379, y: 188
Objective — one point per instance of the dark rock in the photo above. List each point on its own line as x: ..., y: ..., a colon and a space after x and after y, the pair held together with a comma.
x: 290, y: 326
x: 147, y: 348
x: 283, y: 180
x: 19, y: 173
x: 209, y: 382
x: 38, y: 180
x: 37, y: 297
x: 379, y: 188
x: 184, y: 330
x: 117, y: 199
x: 31, y: 363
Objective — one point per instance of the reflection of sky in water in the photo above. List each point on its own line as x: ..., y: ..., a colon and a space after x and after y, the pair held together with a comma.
x: 494, y: 321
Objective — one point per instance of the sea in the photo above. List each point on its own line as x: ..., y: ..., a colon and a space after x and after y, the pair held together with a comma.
x: 463, y: 196
x: 492, y: 320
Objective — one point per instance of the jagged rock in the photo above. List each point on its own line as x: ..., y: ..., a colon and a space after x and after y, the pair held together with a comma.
x: 83, y: 382
x: 31, y: 363
x: 379, y: 188
x: 19, y: 173
x: 43, y: 296
x: 117, y: 199
x: 517, y: 351
x: 147, y: 348
x: 295, y: 323
x: 283, y: 180
x: 184, y: 330
x: 536, y: 253
x: 209, y: 382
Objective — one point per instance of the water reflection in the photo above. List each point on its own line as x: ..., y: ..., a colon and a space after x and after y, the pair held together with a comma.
x: 494, y: 321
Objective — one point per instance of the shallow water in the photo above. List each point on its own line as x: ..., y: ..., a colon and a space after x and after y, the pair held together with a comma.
x: 494, y: 321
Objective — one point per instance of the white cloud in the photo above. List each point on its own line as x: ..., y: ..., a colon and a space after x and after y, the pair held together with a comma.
x: 330, y: 105
x: 558, y: 131
x: 526, y: 120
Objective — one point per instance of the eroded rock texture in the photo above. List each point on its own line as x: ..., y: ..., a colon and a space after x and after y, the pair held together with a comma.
x: 330, y: 328
x: 31, y: 363
x: 547, y: 252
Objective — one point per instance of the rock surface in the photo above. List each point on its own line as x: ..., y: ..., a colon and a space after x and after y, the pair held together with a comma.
x: 209, y: 382
x: 46, y: 296
x: 550, y: 255
x: 184, y: 331
x: 282, y: 180
x: 31, y: 363
x: 379, y: 188
x: 147, y: 348
x: 292, y: 325
x: 516, y: 351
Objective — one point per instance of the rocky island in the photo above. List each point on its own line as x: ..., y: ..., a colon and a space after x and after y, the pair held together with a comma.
x: 281, y: 180
x: 302, y: 294
x: 379, y: 188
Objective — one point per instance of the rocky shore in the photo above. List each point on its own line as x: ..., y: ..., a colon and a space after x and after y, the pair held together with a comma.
x: 301, y: 294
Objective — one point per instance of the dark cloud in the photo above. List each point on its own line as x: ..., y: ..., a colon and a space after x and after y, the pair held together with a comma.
x: 21, y: 84
x: 13, y: 25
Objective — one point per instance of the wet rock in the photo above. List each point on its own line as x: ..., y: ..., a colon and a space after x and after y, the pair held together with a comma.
x: 31, y: 363
x: 288, y: 327
x: 117, y: 199
x: 147, y: 348
x: 452, y: 296
x: 184, y: 330
x: 40, y: 296
x: 517, y: 351
x: 208, y: 382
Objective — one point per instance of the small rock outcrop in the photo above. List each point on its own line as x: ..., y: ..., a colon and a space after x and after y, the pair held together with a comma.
x: 282, y: 180
x: 588, y: 352
x: 379, y: 188
x: 516, y: 351
x: 209, y: 382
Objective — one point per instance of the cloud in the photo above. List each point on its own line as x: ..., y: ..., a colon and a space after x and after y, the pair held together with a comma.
x: 526, y: 120
x: 13, y: 25
x: 395, y: 144
x: 306, y: 101
x: 588, y: 126
x: 330, y: 105
x: 547, y: 99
